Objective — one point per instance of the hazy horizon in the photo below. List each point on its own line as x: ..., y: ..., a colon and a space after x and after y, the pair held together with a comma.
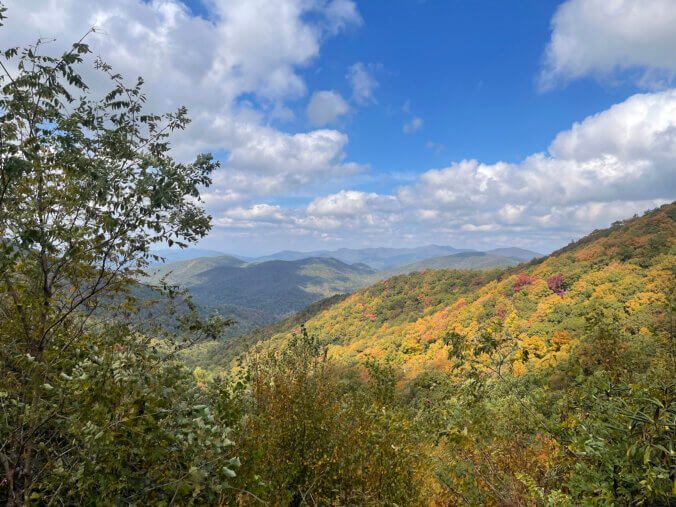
x: 159, y: 248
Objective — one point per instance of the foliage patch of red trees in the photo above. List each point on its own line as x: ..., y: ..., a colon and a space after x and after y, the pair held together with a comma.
x: 522, y: 280
x: 556, y: 284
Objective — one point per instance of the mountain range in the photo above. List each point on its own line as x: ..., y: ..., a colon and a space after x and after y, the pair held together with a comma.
x: 255, y: 294
x: 267, y: 289
x: 168, y: 255
x: 379, y: 258
x: 462, y: 260
x: 543, y: 305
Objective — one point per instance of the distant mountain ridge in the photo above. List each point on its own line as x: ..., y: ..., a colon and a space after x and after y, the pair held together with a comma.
x: 177, y: 254
x: 515, y: 253
x: 408, y: 318
x: 187, y: 272
x: 377, y: 258
x: 256, y: 294
x: 261, y: 292
x: 462, y: 260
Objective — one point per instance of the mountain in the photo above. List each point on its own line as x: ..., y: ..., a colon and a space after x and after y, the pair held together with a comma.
x: 178, y: 254
x: 377, y: 258
x: 544, y: 304
x: 463, y: 260
x: 278, y: 287
x: 260, y: 293
x: 515, y: 253
x: 214, y: 354
x: 291, y: 255
x: 386, y: 259
x: 188, y: 273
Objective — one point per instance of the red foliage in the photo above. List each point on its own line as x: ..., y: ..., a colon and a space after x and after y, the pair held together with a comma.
x: 556, y: 284
x: 371, y: 316
x: 522, y: 280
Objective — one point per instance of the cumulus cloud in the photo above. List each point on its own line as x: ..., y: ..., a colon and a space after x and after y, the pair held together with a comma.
x: 351, y: 202
x: 626, y: 153
x: 341, y: 14
x: 413, y: 125
x: 234, y: 71
x: 602, y: 37
x: 238, y: 70
x: 325, y: 107
x: 257, y: 212
x: 363, y: 83
x: 606, y: 167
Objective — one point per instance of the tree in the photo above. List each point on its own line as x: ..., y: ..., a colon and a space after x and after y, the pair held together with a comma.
x: 87, y: 185
x: 315, y: 434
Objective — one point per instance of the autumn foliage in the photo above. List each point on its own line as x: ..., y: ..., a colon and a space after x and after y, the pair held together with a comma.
x: 530, y: 382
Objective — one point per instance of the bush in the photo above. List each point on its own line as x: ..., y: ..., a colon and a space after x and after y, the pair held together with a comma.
x: 309, y: 436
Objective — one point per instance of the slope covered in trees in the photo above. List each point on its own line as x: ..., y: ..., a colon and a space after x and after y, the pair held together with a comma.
x: 91, y: 411
x: 410, y: 319
x: 258, y: 294
x: 546, y: 384
x: 464, y: 260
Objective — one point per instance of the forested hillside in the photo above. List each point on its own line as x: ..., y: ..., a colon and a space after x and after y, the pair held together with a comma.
x: 465, y: 260
x: 515, y: 253
x: 257, y: 294
x: 550, y: 383
x: 412, y: 320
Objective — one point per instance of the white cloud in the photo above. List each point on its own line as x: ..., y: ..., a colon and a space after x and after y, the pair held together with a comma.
x: 239, y: 70
x: 342, y: 13
x: 235, y: 72
x: 267, y: 161
x: 351, y: 202
x: 218, y: 199
x: 640, y: 128
x: 325, y: 107
x: 363, y: 83
x: 256, y: 212
x: 624, y: 154
x: 413, y: 125
x: 512, y: 213
x: 605, y: 167
x: 601, y: 37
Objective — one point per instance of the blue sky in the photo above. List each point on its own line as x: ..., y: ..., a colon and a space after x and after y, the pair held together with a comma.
x: 344, y: 123
x: 468, y: 69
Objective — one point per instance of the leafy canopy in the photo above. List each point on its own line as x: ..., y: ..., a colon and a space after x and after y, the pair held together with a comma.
x: 90, y: 407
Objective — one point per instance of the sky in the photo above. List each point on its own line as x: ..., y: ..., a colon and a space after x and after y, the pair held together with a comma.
x: 341, y: 123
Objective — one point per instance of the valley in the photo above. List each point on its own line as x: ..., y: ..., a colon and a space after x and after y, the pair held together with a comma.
x: 264, y: 290
x: 541, y: 304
